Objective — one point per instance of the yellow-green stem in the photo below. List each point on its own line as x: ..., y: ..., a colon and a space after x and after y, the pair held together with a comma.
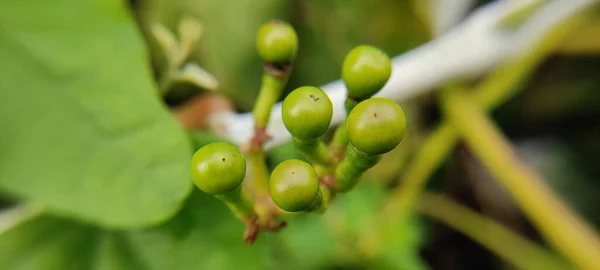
x: 354, y: 164
x: 340, y: 140
x: 259, y: 173
x: 349, y: 104
x: 557, y: 223
x: 322, y: 201
x: 315, y: 151
x: 506, y: 244
x: 270, y: 90
x: 239, y: 202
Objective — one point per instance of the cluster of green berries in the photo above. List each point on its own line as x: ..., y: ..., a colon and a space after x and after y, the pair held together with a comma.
x: 374, y: 126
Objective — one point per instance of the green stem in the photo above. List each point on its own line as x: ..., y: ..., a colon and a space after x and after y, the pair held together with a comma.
x: 508, y: 245
x: 340, y: 141
x: 270, y: 90
x: 239, y: 202
x: 259, y: 173
x: 352, y: 167
x: 315, y: 151
x: 349, y: 104
x: 340, y: 138
x: 498, y: 87
x: 560, y: 226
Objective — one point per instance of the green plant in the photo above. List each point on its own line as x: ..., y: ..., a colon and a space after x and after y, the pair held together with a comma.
x: 112, y: 182
x: 375, y: 126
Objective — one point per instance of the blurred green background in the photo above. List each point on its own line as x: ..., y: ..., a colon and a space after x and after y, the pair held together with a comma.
x: 554, y: 123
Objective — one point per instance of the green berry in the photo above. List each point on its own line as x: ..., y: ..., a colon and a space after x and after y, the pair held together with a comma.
x: 365, y: 71
x: 307, y: 112
x: 294, y: 185
x: 376, y: 125
x: 277, y: 42
x: 218, y: 168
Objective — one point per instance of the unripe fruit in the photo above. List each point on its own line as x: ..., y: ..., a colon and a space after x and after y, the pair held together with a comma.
x: 277, y: 42
x: 218, y: 168
x: 307, y: 112
x: 365, y: 71
x: 376, y: 125
x: 294, y: 185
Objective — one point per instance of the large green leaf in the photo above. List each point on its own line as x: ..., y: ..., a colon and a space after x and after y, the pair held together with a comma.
x: 204, y: 235
x: 84, y: 132
x: 53, y: 243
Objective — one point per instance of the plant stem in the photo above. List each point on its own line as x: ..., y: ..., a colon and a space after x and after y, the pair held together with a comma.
x: 239, y: 202
x: 271, y: 87
x: 354, y: 164
x: 340, y: 138
x: 349, y: 104
x: 259, y: 173
x: 505, y: 243
x: 315, y: 151
x: 340, y: 141
x: 561, y: 227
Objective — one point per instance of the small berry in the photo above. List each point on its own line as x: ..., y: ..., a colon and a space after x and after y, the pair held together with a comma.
x: 294, y: 185
x: 307, y: 112
x: 365, y: 71
x: 376, y: 125
x: 218, y: 168
x: 277, y: 42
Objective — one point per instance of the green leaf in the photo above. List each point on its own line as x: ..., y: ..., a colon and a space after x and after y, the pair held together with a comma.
x: 84, y: 132
x: 205, y: 235
x: 188, y: 241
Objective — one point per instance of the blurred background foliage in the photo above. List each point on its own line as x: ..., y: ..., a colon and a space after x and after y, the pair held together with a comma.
x: 554, y: 124
x: 327, y: 31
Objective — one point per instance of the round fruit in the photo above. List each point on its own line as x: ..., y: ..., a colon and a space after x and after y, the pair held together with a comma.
x: 307, y: 112
x: 294, y: 185
x: 365, y: 71
x: 218, y: 168
x: 277, y: 42
x: 376, y: 125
